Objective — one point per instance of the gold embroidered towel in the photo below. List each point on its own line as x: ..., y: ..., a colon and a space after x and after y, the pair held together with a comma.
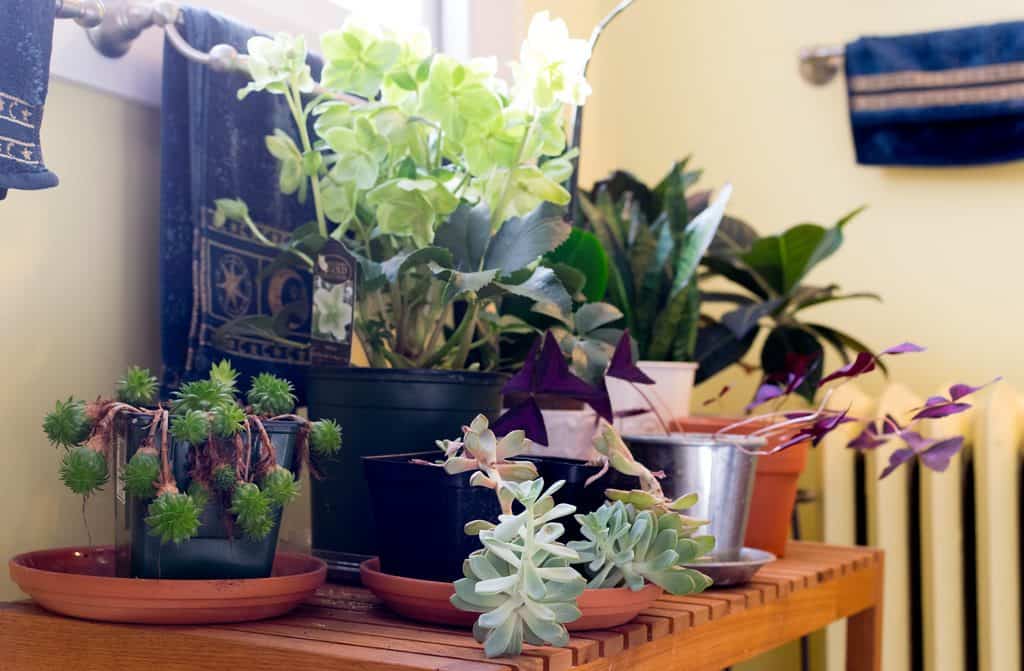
x: 951, y: 97
x: 26, y: 38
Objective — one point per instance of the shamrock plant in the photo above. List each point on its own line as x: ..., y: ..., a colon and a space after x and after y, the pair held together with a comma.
x: 441, y: 178
x: 232, y: 460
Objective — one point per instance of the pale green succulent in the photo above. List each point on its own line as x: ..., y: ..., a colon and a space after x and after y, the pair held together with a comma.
x: 627, y: 547
x: 522, y: 581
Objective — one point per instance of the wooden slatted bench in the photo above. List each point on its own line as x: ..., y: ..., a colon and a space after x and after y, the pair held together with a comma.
x: 346, y: 628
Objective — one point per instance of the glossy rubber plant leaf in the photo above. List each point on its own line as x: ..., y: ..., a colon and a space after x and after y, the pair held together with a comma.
x: 786, y: 345
x: 583, y: 251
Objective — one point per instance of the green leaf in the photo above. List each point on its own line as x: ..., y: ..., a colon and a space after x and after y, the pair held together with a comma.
x: 583, y: 251
x: 717, y: 349
x: 459, y: 282
x: 571, y: 278
x: 685, y: 344
x: 521, y: 241
x: 697, y: 238
x: 402, y: 261
x: 593, y: 316
x: 542, y: 286
x: 843, y: 343
x: 465, y: 234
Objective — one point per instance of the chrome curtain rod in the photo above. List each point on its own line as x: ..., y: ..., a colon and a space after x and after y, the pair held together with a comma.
x: 112, y: 31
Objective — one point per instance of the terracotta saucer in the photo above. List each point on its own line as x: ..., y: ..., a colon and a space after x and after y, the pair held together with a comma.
x: 80, y: 582
x: 428, y: 601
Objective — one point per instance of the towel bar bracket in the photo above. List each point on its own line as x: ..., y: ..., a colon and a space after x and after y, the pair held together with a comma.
x: 125, y: 21
x: 86, y: 13
x: 819, y: 65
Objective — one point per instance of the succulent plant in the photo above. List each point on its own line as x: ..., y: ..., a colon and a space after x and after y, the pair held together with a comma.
x: 226, y: 421
x: 481, y: 451
x: 67, y: 424
x: 204, y: 395
x: 270, y: 395
x: 173, y: 516
x: 192, y: 427
x: 252, y: 509
x: 224, y: 376
x: 141, y: 473
x: 325, y: 437
x: 83, y: 470
x: 627, y: 547
x: 224, y: 478
x: 280, y: 486
x: 522, y: 582
x: 138, y: 387
x: 200, y: 494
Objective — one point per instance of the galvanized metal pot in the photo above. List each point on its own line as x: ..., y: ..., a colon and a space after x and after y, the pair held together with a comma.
x: 717, y: 469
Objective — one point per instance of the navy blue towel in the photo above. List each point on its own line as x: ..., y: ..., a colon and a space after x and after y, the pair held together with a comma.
x: 26, y: 39
x: 213, y: 147
x: 952, y: 97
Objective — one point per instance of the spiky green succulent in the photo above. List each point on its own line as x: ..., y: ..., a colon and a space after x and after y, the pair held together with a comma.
x: 280, y: 486
x: 200, y: 493
x: 67, y: 424
x: 138, y: 387
x: 83, y: 471
x: 626, y: 547
x: 193, y: 427
x: 204, y: 395
x: 325, y: 437
x: 224, y: 478
x: 140, y: 475
x: 227, y: 420
x: 252, y: 510
x: 173, y: 517
x: 223, y: 375
x: 270, y: 395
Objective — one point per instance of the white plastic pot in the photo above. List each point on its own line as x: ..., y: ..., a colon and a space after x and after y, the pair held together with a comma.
x: 670, y: 396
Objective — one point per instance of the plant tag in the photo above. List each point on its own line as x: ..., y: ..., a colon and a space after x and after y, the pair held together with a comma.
x: 334, y: 302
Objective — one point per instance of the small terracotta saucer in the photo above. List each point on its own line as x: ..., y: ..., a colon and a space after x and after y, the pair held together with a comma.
x: 80, y: 582
x: 429, y: 601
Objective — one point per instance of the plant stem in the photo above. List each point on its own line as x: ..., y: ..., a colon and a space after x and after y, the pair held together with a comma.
x: 294, y: 99
x: 465, y: 338
x: 264, y: 240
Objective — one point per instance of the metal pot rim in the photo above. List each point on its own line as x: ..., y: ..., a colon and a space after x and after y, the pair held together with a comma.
x: 698, y: 440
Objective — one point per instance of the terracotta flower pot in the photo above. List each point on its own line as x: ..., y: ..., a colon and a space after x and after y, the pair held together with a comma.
x: 775, y: 485
x: 430, y: 601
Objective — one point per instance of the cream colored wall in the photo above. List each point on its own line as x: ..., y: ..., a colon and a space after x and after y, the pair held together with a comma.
x: 78, y: 299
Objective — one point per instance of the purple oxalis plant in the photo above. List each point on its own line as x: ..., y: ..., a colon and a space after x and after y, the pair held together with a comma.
x: 545, y: 372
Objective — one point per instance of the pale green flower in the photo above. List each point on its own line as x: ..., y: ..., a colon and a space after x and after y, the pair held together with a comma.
x: 356, y: 58
x: 276, y: 63
x: 550, y: 67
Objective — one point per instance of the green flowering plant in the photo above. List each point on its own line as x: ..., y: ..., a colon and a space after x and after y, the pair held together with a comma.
x: 443, y: 180
x: 233, y: 460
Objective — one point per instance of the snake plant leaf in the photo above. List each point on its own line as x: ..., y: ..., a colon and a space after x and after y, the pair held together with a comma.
x: 697, y: 238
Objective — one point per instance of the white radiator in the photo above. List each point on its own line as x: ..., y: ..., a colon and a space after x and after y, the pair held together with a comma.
x: 952, y: 540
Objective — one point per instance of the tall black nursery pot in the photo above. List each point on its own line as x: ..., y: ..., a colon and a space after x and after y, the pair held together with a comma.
x: 420, y: 511
x: 381, y: 411
x: 216, y: 552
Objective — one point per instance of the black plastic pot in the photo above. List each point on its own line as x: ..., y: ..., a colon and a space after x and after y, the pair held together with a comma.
x: 381, y: 412
x: 215, y: 552
x: 420, y: 511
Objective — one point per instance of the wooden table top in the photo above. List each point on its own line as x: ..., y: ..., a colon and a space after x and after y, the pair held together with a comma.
x: 345, y: 627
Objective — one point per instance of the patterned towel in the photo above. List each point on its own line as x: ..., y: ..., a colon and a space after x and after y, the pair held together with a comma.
x: 213, y: 147
x: 952, y: 97
x: 26, y: 38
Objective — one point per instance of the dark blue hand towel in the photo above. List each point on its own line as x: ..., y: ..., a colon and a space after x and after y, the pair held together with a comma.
x: 213, y: 147
x: 26, y: 38
x: 952, y: 97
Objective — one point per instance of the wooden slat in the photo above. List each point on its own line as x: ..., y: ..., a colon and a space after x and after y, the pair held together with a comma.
x: 609, y: 642
x: 703, y: 608
x: 997, y: 512
x: 657, y: 626
x: 678, y: 619
x: 633, y: 634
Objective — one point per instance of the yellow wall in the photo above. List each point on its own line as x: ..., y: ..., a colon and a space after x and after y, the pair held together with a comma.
x: 78, y: 299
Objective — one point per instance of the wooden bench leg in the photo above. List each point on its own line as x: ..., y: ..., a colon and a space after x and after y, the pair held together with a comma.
x: 864, y: 631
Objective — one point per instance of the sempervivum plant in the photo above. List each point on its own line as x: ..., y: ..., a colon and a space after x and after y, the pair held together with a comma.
x: 231, y: 455
x: 522, y: 581
x: 627, y: 547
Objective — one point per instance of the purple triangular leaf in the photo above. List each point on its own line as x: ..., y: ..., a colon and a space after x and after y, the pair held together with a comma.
x: 526, y: 416
x: 938, y: 456
x: 958, y: 391
x: 944, y: 410
x: 897, y: 459
x: 903, y: 348
x: 523, y: 381
x: 916, y: 441
x: 765, y: 393
x: 864, y: 363
x: 622, y: 366
x: 554, y: 376
x: 890, y: 425
x: 600, y: 401
x: 867, y: 440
